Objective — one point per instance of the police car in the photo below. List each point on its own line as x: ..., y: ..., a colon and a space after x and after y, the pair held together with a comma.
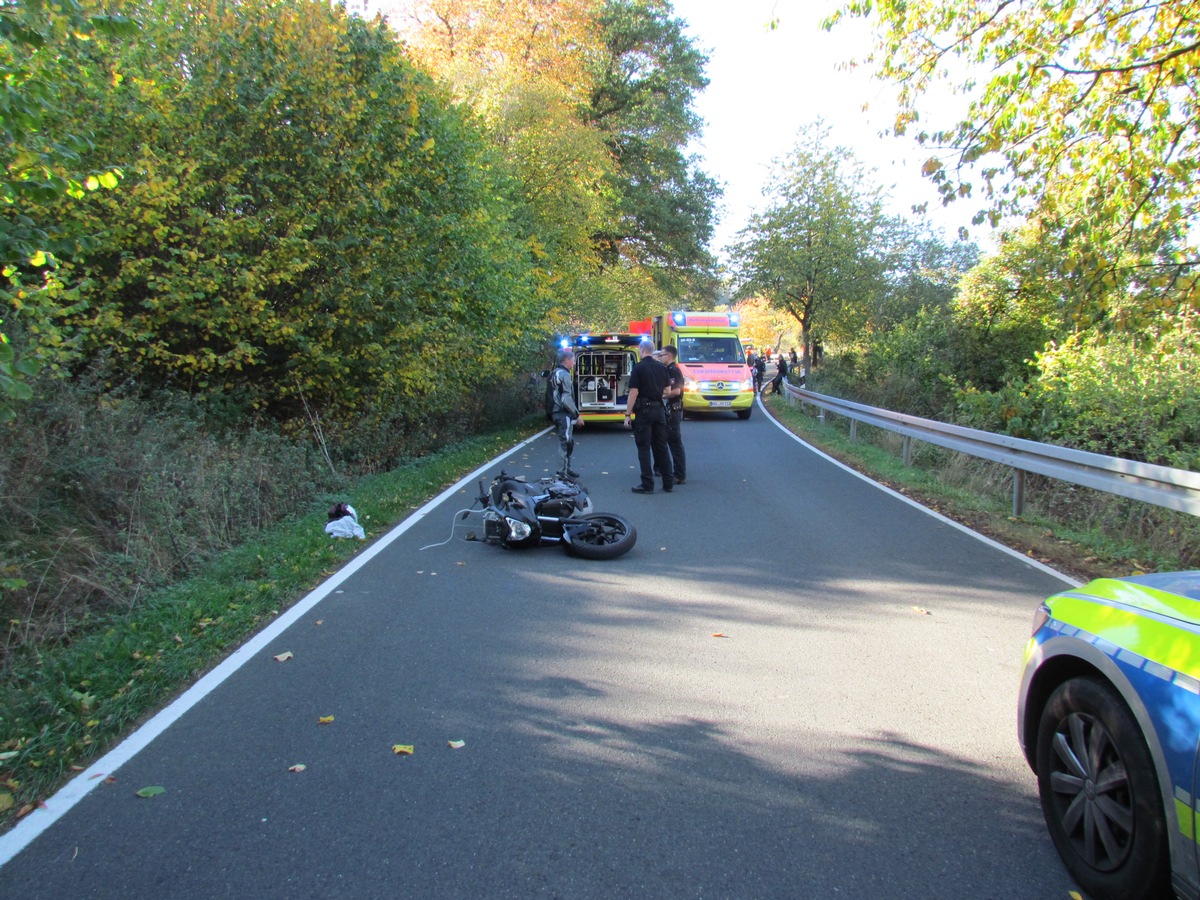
x: 1109, y: 720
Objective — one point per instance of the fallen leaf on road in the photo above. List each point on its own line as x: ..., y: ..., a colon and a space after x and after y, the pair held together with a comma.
x: 298, y: 767
x: 25, y: 810
x: 402, y: 749
x: 111, y: 779
x: 923, y: 612
x: 1075, y: 895
x: 456, y: 745
x: 285, y: 656
x: 151, y: 791
x: 319, y: 622
x: 324, y: 720
x: 719, y: 634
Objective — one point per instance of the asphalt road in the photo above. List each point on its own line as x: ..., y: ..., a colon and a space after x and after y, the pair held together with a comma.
x: 850, y: 735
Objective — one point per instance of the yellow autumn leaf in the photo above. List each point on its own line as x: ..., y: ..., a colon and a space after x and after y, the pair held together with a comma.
x: 456, y: 745
x: 6, y: 801
x: 427, y: 146
x: 325, y: 720
x: 402, y: 749
x: 285, y: 656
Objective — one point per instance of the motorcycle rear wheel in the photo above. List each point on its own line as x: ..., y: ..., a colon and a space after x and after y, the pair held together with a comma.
x: 601, y: 536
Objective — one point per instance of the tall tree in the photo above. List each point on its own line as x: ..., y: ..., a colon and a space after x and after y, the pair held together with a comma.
x: 922, y: 270
x: 485, y: 48
x: 1084, y: 115
x: 813, y: 251
x: 522, y: 67
x: 644, y: 84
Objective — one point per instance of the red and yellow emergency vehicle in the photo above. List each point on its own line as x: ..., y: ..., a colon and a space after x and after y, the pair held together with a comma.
x: 715, y: 375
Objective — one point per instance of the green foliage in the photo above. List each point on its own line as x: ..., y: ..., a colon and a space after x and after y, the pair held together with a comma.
x: 813, y: 253
x: 39, y: 63
x: 306, y: 228
x: 921, y: 271
x: 1080, y: 115
x: 559, y: 168
x: 645, y: 81
x: 1136, y: 396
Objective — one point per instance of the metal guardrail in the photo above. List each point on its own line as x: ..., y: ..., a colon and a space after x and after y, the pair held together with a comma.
x: 1176, y: 489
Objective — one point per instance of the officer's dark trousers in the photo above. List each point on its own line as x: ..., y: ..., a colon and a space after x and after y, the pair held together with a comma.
x: 675, y: 443
x: 650, y: 434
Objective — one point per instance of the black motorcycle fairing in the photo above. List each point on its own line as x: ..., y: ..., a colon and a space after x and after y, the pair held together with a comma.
x: 518, y: 514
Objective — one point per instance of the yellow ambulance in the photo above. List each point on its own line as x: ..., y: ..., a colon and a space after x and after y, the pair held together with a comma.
x: 710, y: 355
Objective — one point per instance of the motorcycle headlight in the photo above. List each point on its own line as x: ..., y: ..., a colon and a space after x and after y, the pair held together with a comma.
x: 518, y: 529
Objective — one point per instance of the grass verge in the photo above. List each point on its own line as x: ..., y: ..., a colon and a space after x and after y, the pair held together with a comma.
x: 984, y: 505
x: 64, y: 706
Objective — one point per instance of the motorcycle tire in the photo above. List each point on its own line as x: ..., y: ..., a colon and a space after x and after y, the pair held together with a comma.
x: 601, y: 536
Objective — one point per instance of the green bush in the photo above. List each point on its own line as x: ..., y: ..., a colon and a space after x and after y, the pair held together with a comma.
x: 1135, y: 395
x: 109, y: 495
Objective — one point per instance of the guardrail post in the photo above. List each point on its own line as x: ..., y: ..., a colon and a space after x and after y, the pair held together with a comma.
x: 907, y: 450
x: 1018, y: 491
x: 853, y: 430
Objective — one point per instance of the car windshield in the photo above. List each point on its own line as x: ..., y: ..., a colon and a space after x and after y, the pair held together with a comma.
x: 711, y: 350
x: 1185, y: 584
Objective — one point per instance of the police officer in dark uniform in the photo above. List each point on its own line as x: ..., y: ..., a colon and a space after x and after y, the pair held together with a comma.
x: 675, y: 413
x: 647, y: 387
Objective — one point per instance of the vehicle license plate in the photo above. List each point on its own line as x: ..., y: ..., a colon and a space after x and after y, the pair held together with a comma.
x: 720, y: 403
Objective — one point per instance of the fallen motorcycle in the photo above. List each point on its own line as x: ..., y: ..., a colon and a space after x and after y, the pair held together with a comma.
x: 518, y: 514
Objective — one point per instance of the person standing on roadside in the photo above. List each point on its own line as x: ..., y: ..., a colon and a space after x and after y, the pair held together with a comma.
x: 674, y: 395
x: 647, y: 388
x: 781, y: 370
x: 566, y: 412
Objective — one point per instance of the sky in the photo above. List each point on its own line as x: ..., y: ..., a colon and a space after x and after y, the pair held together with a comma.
x: 766, y: 85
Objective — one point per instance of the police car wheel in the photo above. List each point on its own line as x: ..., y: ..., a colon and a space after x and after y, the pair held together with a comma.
x: 1100, y: 795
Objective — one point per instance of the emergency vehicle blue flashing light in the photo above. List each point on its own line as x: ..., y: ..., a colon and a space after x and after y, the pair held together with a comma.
x: 679, y: 318
x: 565, y: 343
x: 733, y: 319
